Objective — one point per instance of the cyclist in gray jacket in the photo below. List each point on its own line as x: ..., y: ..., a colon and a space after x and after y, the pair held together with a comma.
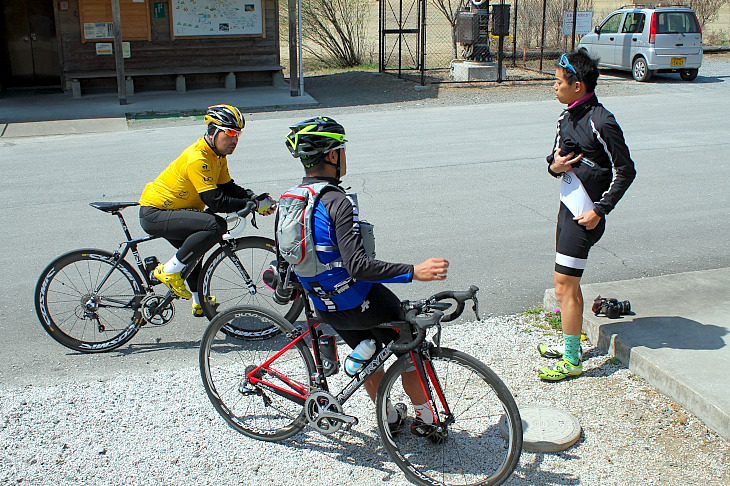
x: 351, y: 297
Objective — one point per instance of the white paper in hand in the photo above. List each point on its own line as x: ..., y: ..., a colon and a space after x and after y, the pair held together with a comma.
x: 574, y: 195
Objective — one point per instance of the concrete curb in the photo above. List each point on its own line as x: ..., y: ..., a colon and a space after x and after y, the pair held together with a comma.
x: 657, y: 346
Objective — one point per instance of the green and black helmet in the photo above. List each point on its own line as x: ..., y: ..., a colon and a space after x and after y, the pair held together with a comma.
x: 311, y: 139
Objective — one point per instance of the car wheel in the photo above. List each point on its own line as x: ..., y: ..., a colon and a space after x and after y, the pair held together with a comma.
x: 688, y: 74
x: 640, y: 70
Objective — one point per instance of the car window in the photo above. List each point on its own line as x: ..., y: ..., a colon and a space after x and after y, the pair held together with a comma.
x: 611, y: 25
x: 633, y: 23
x: 676, y: 23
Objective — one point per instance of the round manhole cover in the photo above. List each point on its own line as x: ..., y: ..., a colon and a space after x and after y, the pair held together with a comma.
x: 545, y: 429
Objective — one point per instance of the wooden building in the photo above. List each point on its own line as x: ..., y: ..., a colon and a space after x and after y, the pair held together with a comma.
x: 167, y: 44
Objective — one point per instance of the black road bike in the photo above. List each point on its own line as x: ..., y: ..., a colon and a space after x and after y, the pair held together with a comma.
x: 93, y: 300
x: 270, y: 390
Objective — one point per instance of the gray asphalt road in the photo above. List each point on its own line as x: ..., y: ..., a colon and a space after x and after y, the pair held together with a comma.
x: 464, y: 182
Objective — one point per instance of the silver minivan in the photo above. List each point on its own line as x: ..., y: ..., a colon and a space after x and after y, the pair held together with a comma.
x: 647, y: 39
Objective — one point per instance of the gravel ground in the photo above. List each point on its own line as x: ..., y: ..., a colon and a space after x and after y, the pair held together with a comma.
x: 161, y: 429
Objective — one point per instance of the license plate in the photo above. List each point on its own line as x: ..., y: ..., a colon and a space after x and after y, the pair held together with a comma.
x: 677, y: 61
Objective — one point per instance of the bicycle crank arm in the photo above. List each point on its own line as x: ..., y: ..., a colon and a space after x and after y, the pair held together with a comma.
x: 349, y: 420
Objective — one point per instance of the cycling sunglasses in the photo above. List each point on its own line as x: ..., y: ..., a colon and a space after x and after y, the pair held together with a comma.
x: 565, y: 64
x: 231, y: 132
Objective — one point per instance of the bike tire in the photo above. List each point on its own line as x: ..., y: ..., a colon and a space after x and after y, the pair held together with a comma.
x: 253, y: 410
x: 79, y: 320
x: 473, y: 451
x: 220, y: 278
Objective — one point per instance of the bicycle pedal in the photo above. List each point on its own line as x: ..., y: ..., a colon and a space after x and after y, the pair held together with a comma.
x: 434, y: 433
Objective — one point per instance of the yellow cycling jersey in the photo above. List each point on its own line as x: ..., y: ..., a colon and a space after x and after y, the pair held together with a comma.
x: 198, y: 169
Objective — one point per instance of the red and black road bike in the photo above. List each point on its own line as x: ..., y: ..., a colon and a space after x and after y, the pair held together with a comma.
x: 272, y: 389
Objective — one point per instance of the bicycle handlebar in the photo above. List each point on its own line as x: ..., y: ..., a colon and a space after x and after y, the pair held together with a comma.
x: 239, y: 218
x: 422, y: 323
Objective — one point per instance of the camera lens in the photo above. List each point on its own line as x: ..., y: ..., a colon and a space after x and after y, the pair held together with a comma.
x: 624, y: 307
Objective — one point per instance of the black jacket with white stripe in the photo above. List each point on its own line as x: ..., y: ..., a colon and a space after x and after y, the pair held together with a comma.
x: 606, y: 169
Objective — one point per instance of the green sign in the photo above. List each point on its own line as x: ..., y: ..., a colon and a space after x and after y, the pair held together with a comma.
x: 159, y: 10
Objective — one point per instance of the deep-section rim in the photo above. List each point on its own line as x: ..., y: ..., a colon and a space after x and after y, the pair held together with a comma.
x: 54, y: 271
x: 247, y: 353
x: 499, y: 394
x: 218, y: 258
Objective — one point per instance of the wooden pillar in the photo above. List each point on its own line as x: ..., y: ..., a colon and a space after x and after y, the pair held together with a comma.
x: 118, y: 53
x: 293, y: 50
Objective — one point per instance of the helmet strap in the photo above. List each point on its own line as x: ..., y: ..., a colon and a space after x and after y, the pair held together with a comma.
x: 337, y: 166
x: 333, y: 164
x: 210, y: 139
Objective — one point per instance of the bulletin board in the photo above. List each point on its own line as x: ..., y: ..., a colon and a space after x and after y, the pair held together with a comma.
x: 206, y: 18
x: 97, y: 21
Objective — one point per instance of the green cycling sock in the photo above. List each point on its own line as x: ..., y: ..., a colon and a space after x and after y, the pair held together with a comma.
x: 572, y: 348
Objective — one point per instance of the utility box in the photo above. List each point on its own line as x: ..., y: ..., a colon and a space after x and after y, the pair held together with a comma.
x: 500, y: 20
x: 467, y: 27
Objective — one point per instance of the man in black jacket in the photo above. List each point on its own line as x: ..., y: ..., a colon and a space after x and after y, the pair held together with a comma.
x: 592, y: 160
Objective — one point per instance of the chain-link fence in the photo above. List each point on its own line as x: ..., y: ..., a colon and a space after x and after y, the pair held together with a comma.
x: 409, y: 37
x: 466, y: 31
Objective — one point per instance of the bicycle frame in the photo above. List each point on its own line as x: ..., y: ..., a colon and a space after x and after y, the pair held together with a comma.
x: 298, y: 392
x: 132, y: 244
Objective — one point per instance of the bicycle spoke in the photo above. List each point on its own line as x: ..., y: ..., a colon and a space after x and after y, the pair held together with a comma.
x: 79, y: 314
x: 472, y: 449
x: 251, y: 408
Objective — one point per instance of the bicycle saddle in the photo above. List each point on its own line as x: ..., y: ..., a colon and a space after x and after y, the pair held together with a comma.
x: 110, y: 207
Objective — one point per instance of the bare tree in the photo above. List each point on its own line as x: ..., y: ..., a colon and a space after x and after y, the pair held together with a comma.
x: 450, y: 9
x: 529, y: 25
x: 336, y: 29
x: 707, y: 10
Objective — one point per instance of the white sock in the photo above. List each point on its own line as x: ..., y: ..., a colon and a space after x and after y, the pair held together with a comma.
x: 423, y: 412
x: 196, y: 299
x: 173, y: 266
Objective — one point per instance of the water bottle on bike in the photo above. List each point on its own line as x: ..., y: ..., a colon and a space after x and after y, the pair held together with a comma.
x: 359, y: 356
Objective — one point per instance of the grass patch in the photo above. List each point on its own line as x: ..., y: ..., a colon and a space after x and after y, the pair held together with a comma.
x: 546, y: 320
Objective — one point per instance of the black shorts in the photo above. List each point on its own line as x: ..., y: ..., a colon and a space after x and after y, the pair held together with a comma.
x: 192, y: 232
x: 357, y: 324
x: 573, y: 242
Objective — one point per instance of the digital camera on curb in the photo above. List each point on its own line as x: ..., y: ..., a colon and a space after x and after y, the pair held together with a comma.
x: 611, y: 308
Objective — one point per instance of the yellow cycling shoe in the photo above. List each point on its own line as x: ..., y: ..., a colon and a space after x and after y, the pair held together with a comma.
x: 198, y: 309
x: 173, y: 281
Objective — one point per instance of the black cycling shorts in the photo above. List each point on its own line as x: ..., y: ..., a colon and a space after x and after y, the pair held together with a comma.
x: 357, y: 324
x: 573, y: 242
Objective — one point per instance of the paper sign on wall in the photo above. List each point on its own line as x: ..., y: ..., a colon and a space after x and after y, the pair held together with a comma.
x: 99, y: 30
x: 104, y: 49
x: 107, y: 49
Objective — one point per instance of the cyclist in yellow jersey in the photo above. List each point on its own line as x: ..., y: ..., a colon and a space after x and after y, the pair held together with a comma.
x: 180, y: 203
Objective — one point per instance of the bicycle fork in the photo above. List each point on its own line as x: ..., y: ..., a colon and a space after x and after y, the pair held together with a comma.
x: 228, y: 250
x: 437, y: 431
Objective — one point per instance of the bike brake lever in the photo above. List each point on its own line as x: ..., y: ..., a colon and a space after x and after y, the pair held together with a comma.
x: 475, y: 307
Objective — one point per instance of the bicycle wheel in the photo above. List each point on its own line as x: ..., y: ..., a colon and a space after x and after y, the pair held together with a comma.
x: 221, y: 278
x: 471, y: 450
x: 82, y: 313
x: 255, y: 409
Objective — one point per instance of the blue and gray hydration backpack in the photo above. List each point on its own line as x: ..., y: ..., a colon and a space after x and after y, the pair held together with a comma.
x: 294, y: 237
